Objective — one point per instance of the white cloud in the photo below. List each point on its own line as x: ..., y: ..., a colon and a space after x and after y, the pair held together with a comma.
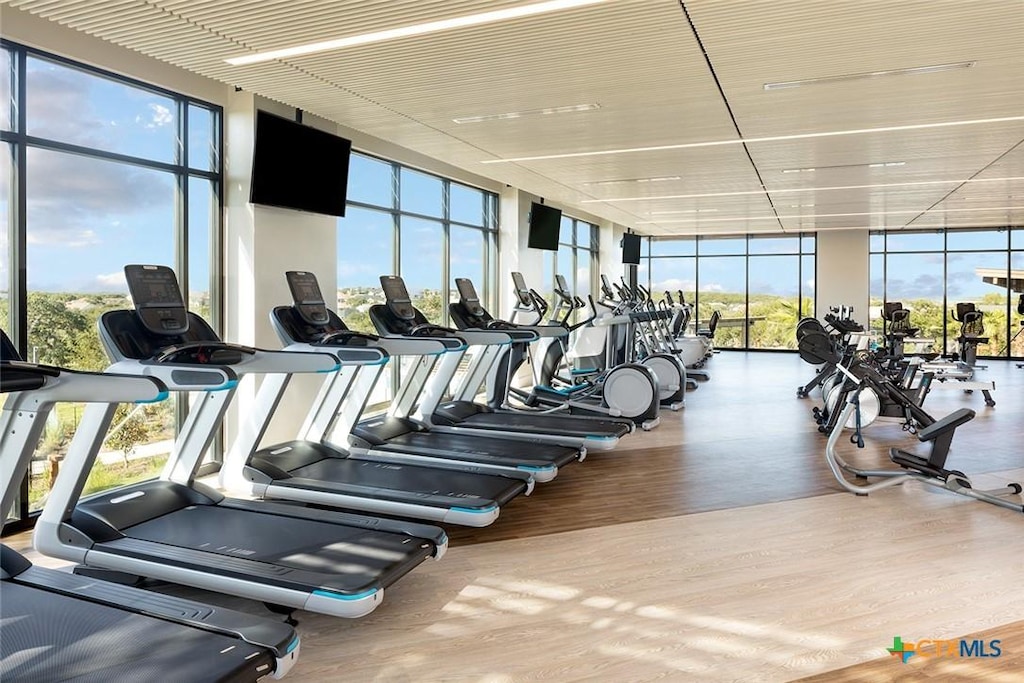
x: 350, y: 269
x: 162, y: 116
x: 112, y: 281
x: 75, y: 240
x: 712, y: 287
x: 673, y: 284
x: 810, y: 284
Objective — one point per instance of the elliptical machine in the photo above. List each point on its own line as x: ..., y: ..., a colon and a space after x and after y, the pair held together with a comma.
x: 626, y: 389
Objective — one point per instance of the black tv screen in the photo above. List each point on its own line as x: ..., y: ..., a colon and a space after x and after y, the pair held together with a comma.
x: 631, y: 248
x: 545, y: 222
x: 299, y: 167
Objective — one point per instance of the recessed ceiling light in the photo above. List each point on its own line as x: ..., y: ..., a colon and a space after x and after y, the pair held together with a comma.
x: 799, y: 170
x: 781, y: 85
x: 771, y: 138
x: 568, y: 109
x: 413, y: 30
x: 801, y: 206
x: 659, y: 179
x: 790, y: 190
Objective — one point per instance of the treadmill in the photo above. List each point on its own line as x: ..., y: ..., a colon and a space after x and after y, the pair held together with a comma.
x: 58, y: 626
x: 443, y: 487
x: 178, y: 530
x: 462, y: 415
x: 308, y: 325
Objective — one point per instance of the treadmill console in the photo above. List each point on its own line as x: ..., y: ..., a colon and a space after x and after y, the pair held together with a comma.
x: 397, y: 297
x: 561, y: 287
x: 157, y: 298
x: 306, y: 295
x: 467, y: 292
x: 522, y: 291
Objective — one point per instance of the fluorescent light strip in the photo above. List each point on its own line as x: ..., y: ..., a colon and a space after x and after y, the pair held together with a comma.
x: 568, y: 109
x: 660, y: 179
x: 790, y: 190
x: 831, y: 215
x: 879, y: 164
x: 658, y: 213
x: 781, y: 85
x: 771, y: 138
x: 413, y: 30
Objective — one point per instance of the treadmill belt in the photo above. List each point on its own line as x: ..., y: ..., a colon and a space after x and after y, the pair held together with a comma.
x: 481, y: 449
x: 413, y: 484
x: 341, y: 557
x: 52, y: 637
x: 546, y: 424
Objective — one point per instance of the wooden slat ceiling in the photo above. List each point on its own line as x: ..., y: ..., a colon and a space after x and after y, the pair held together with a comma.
x: 665, y: 73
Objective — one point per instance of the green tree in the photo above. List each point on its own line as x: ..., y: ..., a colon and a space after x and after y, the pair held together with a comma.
x: 130, y: 428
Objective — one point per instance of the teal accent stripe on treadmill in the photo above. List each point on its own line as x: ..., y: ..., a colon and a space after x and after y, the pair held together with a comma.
x: 230, y: 384
x: 292, y: 645
x: 600, y: 437
x: 483, y: 511
x: 535, y: 468
x: 159, y: 397
x: 337, y: 366
x: 338, y: 596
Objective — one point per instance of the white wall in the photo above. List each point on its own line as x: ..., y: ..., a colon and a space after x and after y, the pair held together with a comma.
x: 842, y: 272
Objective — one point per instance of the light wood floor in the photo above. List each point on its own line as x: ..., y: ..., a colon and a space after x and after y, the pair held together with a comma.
x: 715, y: 548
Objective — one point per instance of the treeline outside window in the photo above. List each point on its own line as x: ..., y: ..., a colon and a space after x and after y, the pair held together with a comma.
x: 761, y: 285
x: 930, y: 272
x: 423, y: 227
x: 98, y: 171
x: 576, y: 260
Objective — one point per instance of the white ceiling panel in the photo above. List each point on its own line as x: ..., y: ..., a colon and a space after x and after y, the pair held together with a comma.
x: 685, y: 77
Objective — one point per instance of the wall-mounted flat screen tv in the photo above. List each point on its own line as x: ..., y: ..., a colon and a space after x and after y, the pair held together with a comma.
x: 545, y: 222
x: 631, y: 248
x: 299, y: 167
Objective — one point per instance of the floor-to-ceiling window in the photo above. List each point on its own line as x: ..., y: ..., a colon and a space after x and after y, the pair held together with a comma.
x: 99, y: 171
x: 930, y: 272
x: 760, y: 285
x: 425, y: 228
x: 576, y: 259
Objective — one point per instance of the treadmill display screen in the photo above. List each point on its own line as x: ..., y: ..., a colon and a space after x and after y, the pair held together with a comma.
x: 157, y: 298
x: 560, y: 284
x: 397, y: 296
x: 305, y: 289
x: 466, y: 290
x: 308, y: 299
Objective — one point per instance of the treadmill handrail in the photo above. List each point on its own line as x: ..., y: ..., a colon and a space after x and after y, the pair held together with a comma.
x: 379, y: 358
x: 412, y: 346
x: 79, y: 386
x: 179, y: 376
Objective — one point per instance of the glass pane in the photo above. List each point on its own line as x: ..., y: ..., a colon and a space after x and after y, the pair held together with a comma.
x: 876, y: 275
x: 73, y: 106
x: 202, y: 138
x: 421, y: 193
x: 365, y: 252
x: 774, y: 245
x: 202, y: 216
x: 6, y: 89
x: 774, y: 290
x: 371, y: 181
x: 674, y: 275
x: 877, y: 242
x: 466, y: 259
x: 583, y: 275
x: 683, y: 246
x: 914, y: 241
x: 466, y: 204
x: 723, y: 286
x: 1016, y: 318
x: 5, y: 241
x: 916, y: 281
x: 87, y: 219
x: 710, y: 246
x: 807, y: 275
x: 1017, y: 238
x: 421, y: 258
x: 565, y: 235
x: 548, y: 287
x: 978, y: 278
x: 959, y: 240
x: 807, y: 244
